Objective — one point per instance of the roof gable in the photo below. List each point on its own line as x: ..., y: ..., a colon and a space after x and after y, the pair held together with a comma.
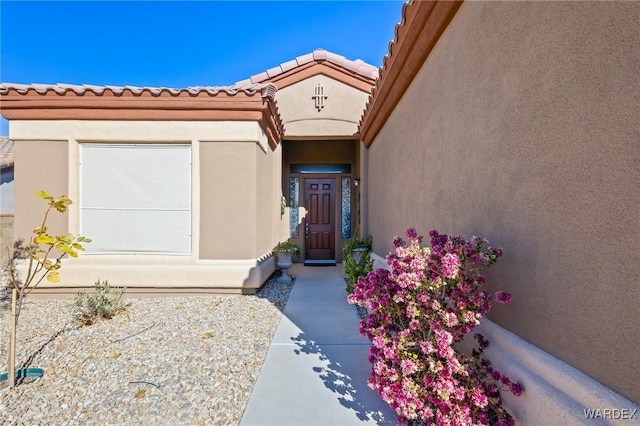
x: 357, y: 74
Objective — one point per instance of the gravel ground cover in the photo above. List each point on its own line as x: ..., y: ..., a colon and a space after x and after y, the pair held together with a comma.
x: 168, y: 361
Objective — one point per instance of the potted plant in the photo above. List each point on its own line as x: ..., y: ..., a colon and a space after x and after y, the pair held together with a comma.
x: 286, y: 252
x: 356, y: 259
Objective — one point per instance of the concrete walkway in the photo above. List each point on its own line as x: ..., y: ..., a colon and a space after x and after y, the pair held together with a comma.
x: 316, y: 369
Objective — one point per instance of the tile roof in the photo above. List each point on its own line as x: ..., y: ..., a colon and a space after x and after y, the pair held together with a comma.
x: 248, y: 102
x: 6, y: 152
x: 357, y: 66
x: 61, y: 89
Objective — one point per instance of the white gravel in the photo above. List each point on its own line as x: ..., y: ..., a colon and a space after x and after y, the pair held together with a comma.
x: 170, y: 361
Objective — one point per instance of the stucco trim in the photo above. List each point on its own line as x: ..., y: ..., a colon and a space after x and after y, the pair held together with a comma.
x: 149, y: 274
x: 422, y: 25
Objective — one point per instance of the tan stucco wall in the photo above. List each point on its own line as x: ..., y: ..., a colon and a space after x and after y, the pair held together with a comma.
x: 228, y: 201
x: 267, y: 200
x: 239, y: 202
x: 339, y: 117
x: 522, y: 126
x: 232, y: 233
x: 43, y: 165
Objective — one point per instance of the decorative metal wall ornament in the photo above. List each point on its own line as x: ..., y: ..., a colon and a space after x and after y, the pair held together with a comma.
x: 319, y: 97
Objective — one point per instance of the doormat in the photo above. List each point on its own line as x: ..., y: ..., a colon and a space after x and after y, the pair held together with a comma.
x: 319, y: 262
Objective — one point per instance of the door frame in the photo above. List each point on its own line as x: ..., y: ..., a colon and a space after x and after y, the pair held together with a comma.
x: 333, y: 213
x: 300, y: 239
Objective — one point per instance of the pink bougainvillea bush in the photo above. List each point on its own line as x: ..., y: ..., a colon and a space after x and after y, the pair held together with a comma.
x: 432, y: 297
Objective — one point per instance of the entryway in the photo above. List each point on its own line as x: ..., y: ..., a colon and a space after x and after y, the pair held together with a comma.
x: 319, y: 187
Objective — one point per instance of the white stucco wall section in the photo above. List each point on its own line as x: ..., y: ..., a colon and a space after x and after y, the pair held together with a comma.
x: 339, y: 117
x: 555, y: 392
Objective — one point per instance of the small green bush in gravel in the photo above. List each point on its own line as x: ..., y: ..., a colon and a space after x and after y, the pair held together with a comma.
x: 103, y: 303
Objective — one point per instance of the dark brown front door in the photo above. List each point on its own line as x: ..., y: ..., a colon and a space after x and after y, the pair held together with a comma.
x: 320, y: 198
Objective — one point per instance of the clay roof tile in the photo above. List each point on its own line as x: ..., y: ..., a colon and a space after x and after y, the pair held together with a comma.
x: 320, y: 54
x: 304, y: 59
x: 259, y: 77
x: 244, y: 82
x: 247, y: 86
x: 358, y: 66
x: 272, y: 72
x: 289, y: 65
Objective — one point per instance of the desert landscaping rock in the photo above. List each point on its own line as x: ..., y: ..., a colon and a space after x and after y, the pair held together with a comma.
x: 167, y: 361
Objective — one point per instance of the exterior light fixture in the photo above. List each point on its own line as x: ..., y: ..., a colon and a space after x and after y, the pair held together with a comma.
x: 356, y: 181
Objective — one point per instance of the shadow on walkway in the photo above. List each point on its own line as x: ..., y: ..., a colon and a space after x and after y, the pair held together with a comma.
x: 317, y: 367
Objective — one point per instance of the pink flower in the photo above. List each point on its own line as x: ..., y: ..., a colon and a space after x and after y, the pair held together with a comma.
x: 408, y: 367
x: 378, y: 342
x: 502, y: 297
x: 450, y: 319
x: 450, y: 265
x: 411, y: 233
x: 415, y: 325
x: 429, y: 300
x: 426, y: 347
x: 479, y: 398
x: 516, y: 388
x: 398, y: 242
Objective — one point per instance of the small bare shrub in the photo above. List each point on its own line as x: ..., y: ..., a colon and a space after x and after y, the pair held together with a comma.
x: 102, y: 303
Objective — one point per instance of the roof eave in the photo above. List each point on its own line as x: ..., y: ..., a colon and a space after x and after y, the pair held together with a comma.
x: 423, y: 22
x: 259, y: 106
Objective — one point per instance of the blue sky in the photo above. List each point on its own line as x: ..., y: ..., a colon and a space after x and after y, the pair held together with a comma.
x: 180, y: 44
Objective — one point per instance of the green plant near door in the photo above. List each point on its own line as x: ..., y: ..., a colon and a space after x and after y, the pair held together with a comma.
x: 287, y: 247
x: 356, y: 259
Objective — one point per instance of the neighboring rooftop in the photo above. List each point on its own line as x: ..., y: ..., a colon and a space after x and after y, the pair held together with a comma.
x: 6, y: 152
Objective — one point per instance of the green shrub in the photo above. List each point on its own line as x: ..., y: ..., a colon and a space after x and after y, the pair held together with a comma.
x: 353, y: 269
x: 287, y: 247
x: 102, y: 303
